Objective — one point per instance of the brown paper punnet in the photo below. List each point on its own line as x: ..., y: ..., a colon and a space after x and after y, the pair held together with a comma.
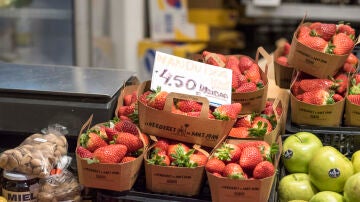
x: 316, y: 63
x: 257, y: 190
x: 255, y: 101
x: 308, y: 114
x: 352, y: 114
x: 196, y: 130
x: 174, y: 180
x: 283, y: 74
x: 116, y: 177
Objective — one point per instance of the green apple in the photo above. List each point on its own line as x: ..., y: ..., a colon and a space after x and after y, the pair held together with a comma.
x: 327, y: 196
x: 352, y: 188
x: 355, y: 159
x: 298, y: 149
x: 297, y: 201
x: 296, y: 186
x: 329, y: 169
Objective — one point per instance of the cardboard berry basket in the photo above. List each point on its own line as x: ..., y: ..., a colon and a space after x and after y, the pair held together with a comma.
x: 196, y: 130
x: 125, y: 91
x: 255, y: 190
x: 315, y: 63
x: 117, y: 177
x: 255, y: 101
x: 316, y: 115
x: 174, y: 180
x: 352, y: 114
x: 283, y: 74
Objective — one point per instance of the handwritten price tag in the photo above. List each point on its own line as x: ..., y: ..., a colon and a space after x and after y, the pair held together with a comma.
x: 176, y: 74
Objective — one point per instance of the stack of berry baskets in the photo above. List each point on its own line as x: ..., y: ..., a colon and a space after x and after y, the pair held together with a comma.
x: 282, y: 70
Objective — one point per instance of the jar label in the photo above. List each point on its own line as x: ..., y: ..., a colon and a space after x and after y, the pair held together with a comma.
x: 19, y: 196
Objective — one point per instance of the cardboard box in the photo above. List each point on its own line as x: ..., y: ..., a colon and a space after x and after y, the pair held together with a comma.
x: 283, y: 74
x: 255, y: 101
x: 316, y: 115
x: 173, y: 180
x: 310, y: 61
x: 224, y: 189
x: 147, y: 49
x: 197, y: 130
x: 116, y: 177
x: 169, y: 22
x: 352, y: 114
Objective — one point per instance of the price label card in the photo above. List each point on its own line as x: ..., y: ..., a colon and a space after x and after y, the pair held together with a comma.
x: 176, y: 74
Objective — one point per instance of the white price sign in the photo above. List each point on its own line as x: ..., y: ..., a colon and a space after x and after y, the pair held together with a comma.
x: 176, y: 74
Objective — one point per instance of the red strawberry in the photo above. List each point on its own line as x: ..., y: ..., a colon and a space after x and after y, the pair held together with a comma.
x: 246, y: 87
x: 132, y: 142
x: 215, y: 165
x: 159, y: 158
x: 282, y: 60
x: 317, y: 97
x: 127, y: 159
x: 162, y: 144
x: 112, y: 153
x: 349, y: 68
x: 286, y: 49
x: 342, y: 80
x: 265, y: 149
x: 126, y: 110
x: 356, y: 79
x: 253, y: 73
x: 157, y: 99
x: 198, y: 160
x: 343, y: 44
x: 144, y: 97
x: 233, y: 171
x: 337, y: 97
x: 83, y: 152
x: 110, y: 132
x: 227, y: 111
x: 295, y: 88
x: 244, y: 121
x: 345, y: 28
x: 235, y: 79
x: 263, y: 122
x: 250, y: 157
x: 127, y: 100
x: 314, y: 42
x: 355, y: 99
x: 91, y: 141
x: 172, y: 150
x: 304, y: 32
x: 214, y: 58
x: 245, y: 62
x: 352, y: 59
x: 316, y: 84
x: 263, y: 169
x: 239, y: 132
x: 228, y: 153
x: 126, y: 126
x: 189, y: 106
x: 323, y: 30
x: 233, y: 64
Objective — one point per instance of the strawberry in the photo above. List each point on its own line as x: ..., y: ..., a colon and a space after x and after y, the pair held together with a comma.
x: 342, y: 80
x: 263, y: 169
x: 162, y: 144
x: 282, y: 60
x: 198, y: 159
x: 157, y: 99
x: 127, y: 159
x: 233, y: 64
x: 349, y: 68
x: 214, y: 59
x: 174, y: 148
x: 286, y: 49
x: 126, y: 126
x: 126, y: 110
x: 343, y: 44
x: 144, y: 97
x: 295, y: 88
x: 260, y: 127
x: 337, y: 97
x: 112, y: 153
x: 245, y: 62
x: 132, y: 142
x: 91, y: 141
x: 214, y: 165
x: 304, y: 32
x: 355, y: 99
x: 267, y: 151
x: 323, y: 30
x: 253, y: 73
x: 83, y: 152
x: 110, y: 132
x: 239, y: 132
x: 317, y: 97
x: 246, y: 87
x: 314, y: 42
x: 181, y: 158
x: 189, y: 106
x: 227, y: 111
x: 127, y: 100
x: 235, y: 79
x: 233, y: 171
x: 352, y: 59
x: 159, y: 158
x: 315, y: 84
x: 346, y: 29
x: 244, y: 121
x: 228, y: 153
x: 356, y: 79
x: 250, y: 157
